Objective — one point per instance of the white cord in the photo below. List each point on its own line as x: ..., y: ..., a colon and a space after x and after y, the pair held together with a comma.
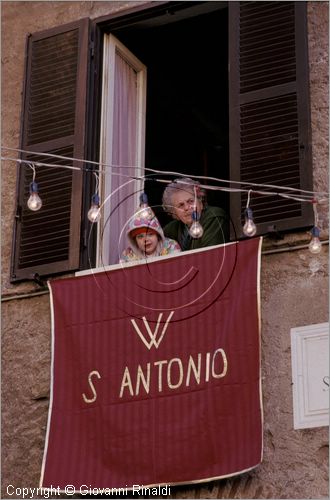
x: 301, y: 198
x: 162, y: 172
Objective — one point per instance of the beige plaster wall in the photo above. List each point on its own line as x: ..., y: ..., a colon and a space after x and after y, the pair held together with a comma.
x: 295, y: 462
x: 294, y: 292
x: 318, y: 47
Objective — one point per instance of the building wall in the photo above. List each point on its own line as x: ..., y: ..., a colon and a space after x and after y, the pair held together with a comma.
x: 294, y: 292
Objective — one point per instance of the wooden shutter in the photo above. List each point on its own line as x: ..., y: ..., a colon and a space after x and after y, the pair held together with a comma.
x: 54, y: 108
x: 270, y: 139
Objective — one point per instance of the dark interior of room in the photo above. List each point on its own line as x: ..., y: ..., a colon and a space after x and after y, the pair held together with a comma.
x: 187, y: 98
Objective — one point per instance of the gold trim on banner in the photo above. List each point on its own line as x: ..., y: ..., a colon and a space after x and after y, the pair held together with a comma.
x: 188, y: 482
x: 51, y: 383
x: 259, y: 334
x: 155, y: 485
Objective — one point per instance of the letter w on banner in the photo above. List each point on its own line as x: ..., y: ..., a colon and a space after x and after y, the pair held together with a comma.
x: 156, y: 372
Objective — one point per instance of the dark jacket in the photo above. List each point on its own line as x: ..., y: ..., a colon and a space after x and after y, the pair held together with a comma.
x: 215, y: 224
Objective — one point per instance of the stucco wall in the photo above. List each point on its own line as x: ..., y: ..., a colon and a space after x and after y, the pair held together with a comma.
x: 295, y: 461
x: 318, y: 48
x: 294, y: 292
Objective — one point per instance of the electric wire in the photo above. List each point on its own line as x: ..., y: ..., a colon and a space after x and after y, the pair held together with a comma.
x: 318, y: 196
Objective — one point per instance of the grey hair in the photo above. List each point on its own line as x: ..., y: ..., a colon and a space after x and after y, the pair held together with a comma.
x: 184, y: 184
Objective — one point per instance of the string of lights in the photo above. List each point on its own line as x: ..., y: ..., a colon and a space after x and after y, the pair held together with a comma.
x: 104, y: 166
x: 196, y: 230
x: 311, y: 197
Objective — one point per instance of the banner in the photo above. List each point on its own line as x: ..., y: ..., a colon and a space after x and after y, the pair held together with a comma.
x: 156, y: 372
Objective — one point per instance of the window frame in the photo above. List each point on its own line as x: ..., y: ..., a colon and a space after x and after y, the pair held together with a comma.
x: 93, y: 102
x: 112, y: 46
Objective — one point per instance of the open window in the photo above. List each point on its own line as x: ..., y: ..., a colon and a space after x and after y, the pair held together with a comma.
x: 122, y: 139
x: 226, y: 96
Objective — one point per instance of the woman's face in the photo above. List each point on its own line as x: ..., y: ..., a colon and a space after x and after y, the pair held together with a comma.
x: 184, y: 203
x: 147, y: 242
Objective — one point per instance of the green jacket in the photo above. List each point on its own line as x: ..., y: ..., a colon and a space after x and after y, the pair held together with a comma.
x: 215, y: 225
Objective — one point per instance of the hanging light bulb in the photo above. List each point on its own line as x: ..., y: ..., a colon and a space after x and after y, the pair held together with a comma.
x: 315, y: 245
x: 94, y: 213
x: 196, y: 229
x: 34, y: 202
x: 145, y: 211
x: 249, y: 228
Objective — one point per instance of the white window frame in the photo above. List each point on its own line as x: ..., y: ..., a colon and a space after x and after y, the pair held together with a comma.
x: 110, y: 45
x: 310, y: 375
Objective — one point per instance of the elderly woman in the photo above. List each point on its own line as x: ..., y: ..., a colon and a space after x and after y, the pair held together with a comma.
x: 180, y: 199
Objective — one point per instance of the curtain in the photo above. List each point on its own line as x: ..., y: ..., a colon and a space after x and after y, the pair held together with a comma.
x: 124, y: 154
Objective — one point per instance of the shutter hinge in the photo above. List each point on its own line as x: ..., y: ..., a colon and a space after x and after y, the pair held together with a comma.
x: 18, y: 215
x: 38, y: 280
x: 85, y: 241
x: 91, y: 48
x: 302, y: 151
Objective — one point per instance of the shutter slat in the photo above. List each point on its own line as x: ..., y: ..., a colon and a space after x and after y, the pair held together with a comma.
x: 270, y: 127
x: 288, y: 161
x: 39, y: 231
x: 256, y: 12
x: 51, y: 106
x: 48, y: 241
x: 53, y: 64
x: 260, y: 43
x: 43, y: 222
x: 36, y: 240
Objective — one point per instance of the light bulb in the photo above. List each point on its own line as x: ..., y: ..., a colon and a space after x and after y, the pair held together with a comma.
x: 315, y: 245
x: 249, y: 228
x: 196, y: 229
x: 34, y: 202
x: 145, y: 211
x: 143, y: 199
x: 94, y: 213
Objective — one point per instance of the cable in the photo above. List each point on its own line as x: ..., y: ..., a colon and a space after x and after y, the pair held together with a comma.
x: 302, y: 198
x: 166, y: 172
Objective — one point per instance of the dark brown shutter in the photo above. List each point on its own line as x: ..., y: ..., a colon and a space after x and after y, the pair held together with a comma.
x: 54, y: 108
x: 270, y: 139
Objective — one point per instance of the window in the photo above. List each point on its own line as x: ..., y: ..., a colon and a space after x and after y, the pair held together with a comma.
x: 250, y: 123
x: 122, y: 138
x: 54, y: 108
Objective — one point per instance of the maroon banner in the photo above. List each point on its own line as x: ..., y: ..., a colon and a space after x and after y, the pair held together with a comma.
x: 156, y: 372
